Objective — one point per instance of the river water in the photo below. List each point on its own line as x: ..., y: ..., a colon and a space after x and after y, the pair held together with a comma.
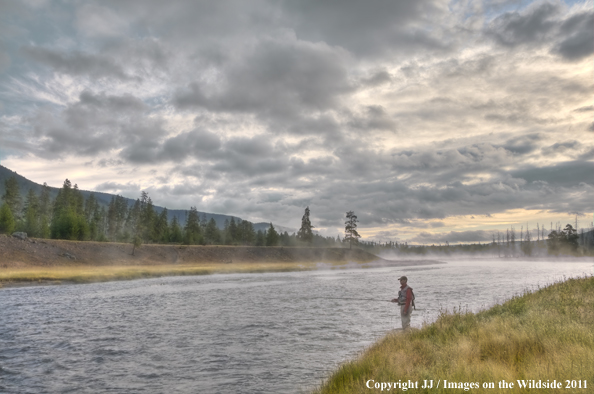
x: 234, y: 333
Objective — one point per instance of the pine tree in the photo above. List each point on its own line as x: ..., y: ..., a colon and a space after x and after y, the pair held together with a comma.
x: 246, y: 232
x: 192, y: 229
x: 133, y: 227
x: 350, y: 229
x: 212, y: 234
x: 68, y: 220
x: 12, y: 196
x: 271, y: 236
x: 7, y: 222
x: 148, y: 218
x: 31, y: 216
x: 231, y: 234
x: 45, y: 217
x: 162, y: 227
x: 260, y: 238
x: 175, y: 234
x: 305, y: 233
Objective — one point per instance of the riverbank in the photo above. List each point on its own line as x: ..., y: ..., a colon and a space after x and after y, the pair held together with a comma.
x: 543, y: 337
x: 45, y: 261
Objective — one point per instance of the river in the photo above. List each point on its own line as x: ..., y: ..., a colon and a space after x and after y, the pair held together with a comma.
x: 234, y: 333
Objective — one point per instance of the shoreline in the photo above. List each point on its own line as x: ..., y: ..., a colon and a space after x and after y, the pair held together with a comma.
x: 541, y: 335
x: 34, y: 262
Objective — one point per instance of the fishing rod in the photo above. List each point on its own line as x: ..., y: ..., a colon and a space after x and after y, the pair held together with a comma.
x: 347, y: 298
x: 354, y: 299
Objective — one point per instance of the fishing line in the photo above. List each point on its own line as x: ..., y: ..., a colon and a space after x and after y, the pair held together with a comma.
x: 353, y: 299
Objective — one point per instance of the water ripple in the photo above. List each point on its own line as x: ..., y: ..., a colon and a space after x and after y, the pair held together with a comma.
x: 241, y: 333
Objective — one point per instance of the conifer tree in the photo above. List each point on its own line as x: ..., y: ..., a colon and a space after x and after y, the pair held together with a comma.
x: 246, y: 232
x: 231, y: 234
x: 175, y: 234
x: 30, y: 214
x: 271, y: 236
x: 162, y: 227
x: 350, y: 229
x: 44, y: 211
x: 212, y: 234
x: 7, y: 222
x: 68, y: 220
x: 192, y: 229
x: 260, y: 238
x: 305, y: 233
x: 12, y: 197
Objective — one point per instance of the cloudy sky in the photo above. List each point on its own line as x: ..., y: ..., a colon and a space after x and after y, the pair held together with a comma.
x: 432, y: 120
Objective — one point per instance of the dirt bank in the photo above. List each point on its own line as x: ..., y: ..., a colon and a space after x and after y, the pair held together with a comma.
x: 15, y: 253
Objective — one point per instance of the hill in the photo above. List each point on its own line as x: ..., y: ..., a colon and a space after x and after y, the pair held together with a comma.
x: 104, y: 199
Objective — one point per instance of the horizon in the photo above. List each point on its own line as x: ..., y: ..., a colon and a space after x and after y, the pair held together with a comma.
x: 431, y: 120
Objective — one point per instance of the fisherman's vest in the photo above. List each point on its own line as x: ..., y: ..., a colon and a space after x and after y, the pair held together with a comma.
x: 402, y: 295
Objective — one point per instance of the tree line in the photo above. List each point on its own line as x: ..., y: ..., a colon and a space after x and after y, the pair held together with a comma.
x: 554, y: 242
x: 70, y: 216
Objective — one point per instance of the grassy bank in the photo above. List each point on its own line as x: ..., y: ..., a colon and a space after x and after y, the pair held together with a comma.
x: 31, y: 261
x: 545, y: 335
x: 90, y: 274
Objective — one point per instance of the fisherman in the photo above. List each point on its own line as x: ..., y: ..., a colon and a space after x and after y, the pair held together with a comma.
x: 406, y: 301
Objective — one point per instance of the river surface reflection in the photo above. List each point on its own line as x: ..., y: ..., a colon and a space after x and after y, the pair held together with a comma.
x: 235, y: 333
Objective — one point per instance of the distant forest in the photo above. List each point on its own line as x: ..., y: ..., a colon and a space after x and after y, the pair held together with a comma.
x: 558, y: 242
x: 71, y: 216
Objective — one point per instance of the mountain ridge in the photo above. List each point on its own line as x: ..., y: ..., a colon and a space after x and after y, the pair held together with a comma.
x: 104, y: 199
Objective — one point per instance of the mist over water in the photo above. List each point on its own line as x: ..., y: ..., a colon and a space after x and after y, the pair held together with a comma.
x: 240, y: 333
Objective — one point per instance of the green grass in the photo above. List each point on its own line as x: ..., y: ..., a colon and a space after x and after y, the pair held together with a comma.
x: 546, y: 335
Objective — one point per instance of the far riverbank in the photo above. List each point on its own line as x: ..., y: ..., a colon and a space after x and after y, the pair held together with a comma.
x: 47, y: 261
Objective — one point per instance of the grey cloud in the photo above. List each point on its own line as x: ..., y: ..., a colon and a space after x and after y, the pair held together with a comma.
x: 572, y: 38
x: 125, y: 103
x: 587, y: 108
x: 523, y: 145
x: 78, y: 63
x: 143, y: 151
x: 109, y: 163
x: 372, y: 28
x: 317, y: 166
x: 198, y: 143
x: 564, y: 174
x: 258, y: 146
x: 96, y: 123
x: 5, y: 59
x: 375, y: 118
x: 277, y: 78
x: 533, y: 26
x: 378, y: 78
x: 316, y: 124
x: 562, y: 147
x: 579, y: 37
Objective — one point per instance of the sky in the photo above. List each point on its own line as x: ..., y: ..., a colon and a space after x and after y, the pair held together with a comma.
x: 432, y: 120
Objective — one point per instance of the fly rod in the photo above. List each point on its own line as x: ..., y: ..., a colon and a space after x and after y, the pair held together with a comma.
x: 354, y: 299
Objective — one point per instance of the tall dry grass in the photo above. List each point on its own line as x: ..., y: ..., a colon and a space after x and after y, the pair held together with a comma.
x: 88, y: 274
x: 542, y: 335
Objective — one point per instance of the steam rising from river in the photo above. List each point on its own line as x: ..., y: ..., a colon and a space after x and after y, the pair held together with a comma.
x: 244, y: 333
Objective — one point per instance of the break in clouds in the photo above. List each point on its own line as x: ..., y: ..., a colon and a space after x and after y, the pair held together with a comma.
x: 415, y: 115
